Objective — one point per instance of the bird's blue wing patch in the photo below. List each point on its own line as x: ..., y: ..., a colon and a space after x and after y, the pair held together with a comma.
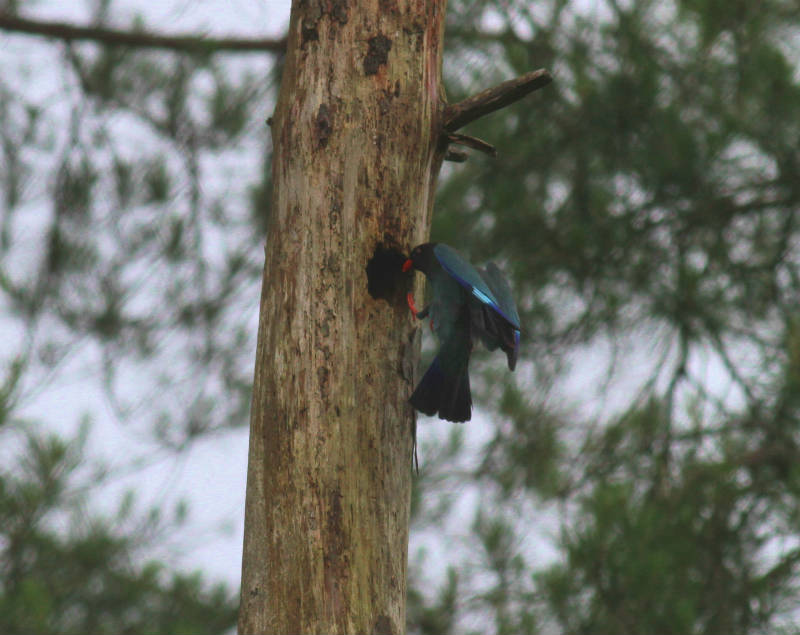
x: 482, y: 296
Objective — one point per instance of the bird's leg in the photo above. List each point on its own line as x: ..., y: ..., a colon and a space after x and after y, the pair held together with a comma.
x: 410, y: 299
x: 420, y: 315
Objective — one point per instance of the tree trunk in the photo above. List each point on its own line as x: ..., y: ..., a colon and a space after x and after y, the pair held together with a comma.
x: 356, y: 154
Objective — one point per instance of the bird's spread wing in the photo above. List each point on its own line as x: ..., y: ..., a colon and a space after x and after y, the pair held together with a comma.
x: 479, y: 285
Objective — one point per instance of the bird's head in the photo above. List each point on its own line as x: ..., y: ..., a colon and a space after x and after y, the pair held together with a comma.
x: 422, y: 258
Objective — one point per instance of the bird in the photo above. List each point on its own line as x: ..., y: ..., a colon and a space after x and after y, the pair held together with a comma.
x: 467, y: 304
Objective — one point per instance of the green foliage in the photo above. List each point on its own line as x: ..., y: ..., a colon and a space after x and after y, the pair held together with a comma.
x: 68, y: 572
x: 230, y: 106
x: 435, y: 617
x: 525, y: 451
x: 636, y: 185
x: 73, y: 190
x: 688, y: 554
x: 117, y: 202
x: 646, y: 200
x: 157, y: 181
x: 145, y: 216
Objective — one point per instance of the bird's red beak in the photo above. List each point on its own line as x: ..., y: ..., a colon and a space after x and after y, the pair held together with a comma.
x: 407, y: 265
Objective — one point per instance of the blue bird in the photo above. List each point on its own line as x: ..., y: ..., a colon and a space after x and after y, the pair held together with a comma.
x: 467, y: 304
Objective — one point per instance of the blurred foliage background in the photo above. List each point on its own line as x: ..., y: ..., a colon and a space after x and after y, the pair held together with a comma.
x: 640, y: 471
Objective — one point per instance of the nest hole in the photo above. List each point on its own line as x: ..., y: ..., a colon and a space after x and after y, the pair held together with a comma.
x: 385, y: 277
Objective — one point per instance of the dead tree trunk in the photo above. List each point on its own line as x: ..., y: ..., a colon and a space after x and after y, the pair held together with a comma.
x: 359, y: 133
x: 356, y: 154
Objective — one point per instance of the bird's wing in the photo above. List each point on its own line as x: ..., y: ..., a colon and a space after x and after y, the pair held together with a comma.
x: 474, y: 282
x: 497, y: 282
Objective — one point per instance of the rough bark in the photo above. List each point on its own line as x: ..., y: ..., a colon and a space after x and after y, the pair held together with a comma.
x: 357, y: 148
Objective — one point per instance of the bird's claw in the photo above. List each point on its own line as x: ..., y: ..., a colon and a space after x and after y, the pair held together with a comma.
x: 410, y: 298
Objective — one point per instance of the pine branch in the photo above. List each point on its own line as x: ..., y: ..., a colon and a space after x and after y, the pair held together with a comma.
x: 495, y: 98
x: 116, y: 37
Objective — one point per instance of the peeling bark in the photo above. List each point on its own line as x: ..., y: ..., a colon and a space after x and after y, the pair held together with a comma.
x: 357, y: 150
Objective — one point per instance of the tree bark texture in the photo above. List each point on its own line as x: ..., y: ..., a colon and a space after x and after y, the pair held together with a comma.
x: 356, y: 136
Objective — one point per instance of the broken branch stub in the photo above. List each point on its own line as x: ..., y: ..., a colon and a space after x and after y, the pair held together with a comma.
x: 495, y: 98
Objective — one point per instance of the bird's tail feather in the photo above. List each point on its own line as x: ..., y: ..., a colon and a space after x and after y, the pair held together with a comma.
x: 447, y: 394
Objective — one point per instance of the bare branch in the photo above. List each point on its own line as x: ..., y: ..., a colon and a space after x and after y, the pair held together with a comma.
x: 456, y: 156
x: 495, y: 98
x: 116, y: 37
x: 471, y: 142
